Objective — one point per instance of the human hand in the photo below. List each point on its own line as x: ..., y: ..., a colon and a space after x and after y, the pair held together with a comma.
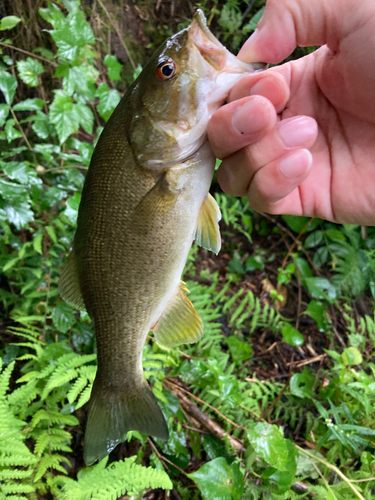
x: 299, y: 138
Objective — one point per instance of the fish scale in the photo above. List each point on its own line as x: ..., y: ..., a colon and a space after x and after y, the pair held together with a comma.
x: 144, y: 201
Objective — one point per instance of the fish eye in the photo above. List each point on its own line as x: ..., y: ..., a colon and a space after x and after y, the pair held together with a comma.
x: 166, y: 70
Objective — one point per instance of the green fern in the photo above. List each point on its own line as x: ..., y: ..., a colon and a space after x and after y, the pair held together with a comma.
x: 16, y: 460
x: 119, y: 478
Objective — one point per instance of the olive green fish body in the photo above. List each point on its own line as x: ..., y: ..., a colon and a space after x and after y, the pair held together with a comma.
x: 144, y: 201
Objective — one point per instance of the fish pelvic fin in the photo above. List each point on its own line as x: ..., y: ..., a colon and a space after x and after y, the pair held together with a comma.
x: 112, y: 415
x: 208, y: 232
x: 180, y: 322
x: 69, y: 285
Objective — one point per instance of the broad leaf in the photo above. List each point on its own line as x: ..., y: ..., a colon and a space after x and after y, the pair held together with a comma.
x: 108, y: 100
x: 29, y: 71
x: 64, y: 116
x: 269, y: 443
x: 114, y: 67
x: 4, y: 112
x: 9, y: 22
x: 291, y: 335
x: 63, y: 317
x: 218, y: 480
x: 8, y: 85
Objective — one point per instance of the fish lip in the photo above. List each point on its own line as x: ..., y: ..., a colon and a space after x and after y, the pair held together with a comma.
x: 200, y: 19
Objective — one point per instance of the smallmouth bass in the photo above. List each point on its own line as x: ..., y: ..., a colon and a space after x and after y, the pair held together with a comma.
x: 144, y: 201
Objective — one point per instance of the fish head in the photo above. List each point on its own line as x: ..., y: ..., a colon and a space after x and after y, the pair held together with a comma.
x: 182, y: 85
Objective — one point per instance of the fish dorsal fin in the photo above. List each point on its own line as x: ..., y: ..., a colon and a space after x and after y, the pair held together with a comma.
x: 208, y: 232
x: 69, y: 285
x: 180, y: 322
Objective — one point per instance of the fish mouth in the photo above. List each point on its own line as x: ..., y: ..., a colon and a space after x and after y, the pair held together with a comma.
x: 213, y: 51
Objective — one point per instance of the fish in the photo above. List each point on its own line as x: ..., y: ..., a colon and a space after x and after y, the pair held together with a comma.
x: 145, y: 200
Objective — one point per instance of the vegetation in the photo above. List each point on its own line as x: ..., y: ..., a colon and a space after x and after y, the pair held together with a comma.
x: 275, y: 402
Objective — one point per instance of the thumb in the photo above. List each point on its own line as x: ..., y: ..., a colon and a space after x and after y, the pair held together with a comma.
x: 288, y: 23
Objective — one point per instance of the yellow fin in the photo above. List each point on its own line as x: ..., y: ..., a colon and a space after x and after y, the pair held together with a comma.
x: 208, y: 232
x: 69, y: 285
x: 180, y: 322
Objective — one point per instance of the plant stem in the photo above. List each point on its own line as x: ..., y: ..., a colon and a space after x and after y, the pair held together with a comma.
x: 115, y: 27
x: 29, y: 53
x: 21, y: 129
x: 334, y: 469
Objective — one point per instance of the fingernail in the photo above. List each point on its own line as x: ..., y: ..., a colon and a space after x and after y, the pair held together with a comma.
x: 296, y: 164
x: 247, y: 53
x: 297, y: 131
x: 251, y: 117
x: 263, y: 87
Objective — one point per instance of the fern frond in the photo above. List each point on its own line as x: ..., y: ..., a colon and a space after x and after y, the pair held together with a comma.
x: 84, y: 397
x: 118, y: 479
x: 51, y: 462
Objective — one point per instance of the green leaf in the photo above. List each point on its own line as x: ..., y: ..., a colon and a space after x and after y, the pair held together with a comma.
x: 76, y: 78
x: 304, y: 267
x: 291, y: 335
x: 86, y: 117
x: 4, y: 112
x: 301, y: 384
x: 63, y: 317
x: 320, y: 288
x: 240, y: 351
x: 316, y: 311
x: 108, y: 100
x: 314, y: 239
x: 72, y: 205
x: 64, y: 116
x: 72, y: 34
x: 351, y: 356
x: 335, y: 235
x: 19, y: 213
x: 296, y: 223
x: 283, y: 479
x: 269, y: 443
x: 10, y: 131
x: 37, y: 242
x: 8, y: 86
x: 114, y: 67
x: 11, y: 190
x: 9, y: 22
x: 252, y: 24
x: 29, y: 71
x: 34, y: 104
x: 320, y: 257
x: 218, y: 480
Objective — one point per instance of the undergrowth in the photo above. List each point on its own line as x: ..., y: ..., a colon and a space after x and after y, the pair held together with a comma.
x: 244, y: 422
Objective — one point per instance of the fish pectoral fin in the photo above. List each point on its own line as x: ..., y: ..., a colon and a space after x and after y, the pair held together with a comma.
x: 180, y: 323
x: 208, y: 232
x: 69, y: 285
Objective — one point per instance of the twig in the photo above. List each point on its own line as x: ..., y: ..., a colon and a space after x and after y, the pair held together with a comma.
x: 21, y: 129
x: 168, y: 381
x: 333, y: 468
x: 298, y: 364
x: 299, y: 293
x: 29, y: 53
x: 286, y: 230
x: 63, y: 168
x: 163, y: 458
x: 247, y: 11
x: 324, y: 479
x: 206, y: 422
x: 296, y: 240
x: 279, y: 396
x: 115, y: 27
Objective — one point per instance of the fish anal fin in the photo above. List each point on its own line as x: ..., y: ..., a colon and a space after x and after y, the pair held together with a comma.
x: 112, y: 415
x: 180, y: 323
x: 69, y: 285
x: 208, y: 233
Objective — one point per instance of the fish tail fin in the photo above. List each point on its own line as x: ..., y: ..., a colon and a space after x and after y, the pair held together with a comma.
x: 112, y: 415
